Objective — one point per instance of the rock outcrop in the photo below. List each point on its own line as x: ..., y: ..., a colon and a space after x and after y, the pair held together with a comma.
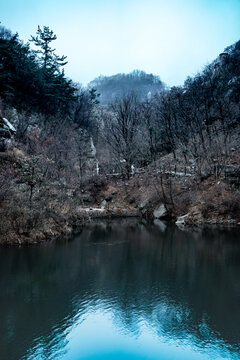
x: 7, y: 131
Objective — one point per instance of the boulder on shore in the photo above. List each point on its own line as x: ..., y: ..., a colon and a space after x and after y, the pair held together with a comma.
x: 182, y: 220
x: 160, y: 212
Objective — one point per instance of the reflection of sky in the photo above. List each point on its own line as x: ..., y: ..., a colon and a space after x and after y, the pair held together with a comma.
x: 123, y: 290
x: 170, y: 38
x: 100, y: 334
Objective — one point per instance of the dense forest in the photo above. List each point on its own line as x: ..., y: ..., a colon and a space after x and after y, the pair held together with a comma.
x: 34, y: 79
x: 64, y: 146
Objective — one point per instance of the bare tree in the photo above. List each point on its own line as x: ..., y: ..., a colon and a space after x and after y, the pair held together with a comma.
x: 120, y: 132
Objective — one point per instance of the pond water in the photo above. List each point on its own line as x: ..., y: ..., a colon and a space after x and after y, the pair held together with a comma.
x: 123, y: 290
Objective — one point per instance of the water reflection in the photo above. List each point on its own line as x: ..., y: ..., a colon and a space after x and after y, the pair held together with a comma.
x: 123, y: 290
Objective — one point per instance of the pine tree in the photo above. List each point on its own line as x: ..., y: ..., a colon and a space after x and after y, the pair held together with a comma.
x: 58, y: 92
x: 51, y: 63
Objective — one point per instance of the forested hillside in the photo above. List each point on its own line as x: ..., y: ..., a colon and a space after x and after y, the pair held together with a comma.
x: 112, y: 87
x: 34, y: 78
x: 123, y: 145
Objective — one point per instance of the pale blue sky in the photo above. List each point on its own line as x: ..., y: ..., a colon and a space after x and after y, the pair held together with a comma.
x: 169, y: 38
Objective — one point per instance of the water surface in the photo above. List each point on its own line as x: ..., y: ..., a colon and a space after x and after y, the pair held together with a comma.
x: 123, y: 290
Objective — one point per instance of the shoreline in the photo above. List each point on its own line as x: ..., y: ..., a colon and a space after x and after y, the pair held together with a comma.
x: 75, y: 224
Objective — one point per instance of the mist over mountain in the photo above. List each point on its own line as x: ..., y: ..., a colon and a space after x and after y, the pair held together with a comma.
x: 119, y: 85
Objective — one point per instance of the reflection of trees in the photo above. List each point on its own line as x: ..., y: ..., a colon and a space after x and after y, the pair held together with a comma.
x: 184, y: 283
